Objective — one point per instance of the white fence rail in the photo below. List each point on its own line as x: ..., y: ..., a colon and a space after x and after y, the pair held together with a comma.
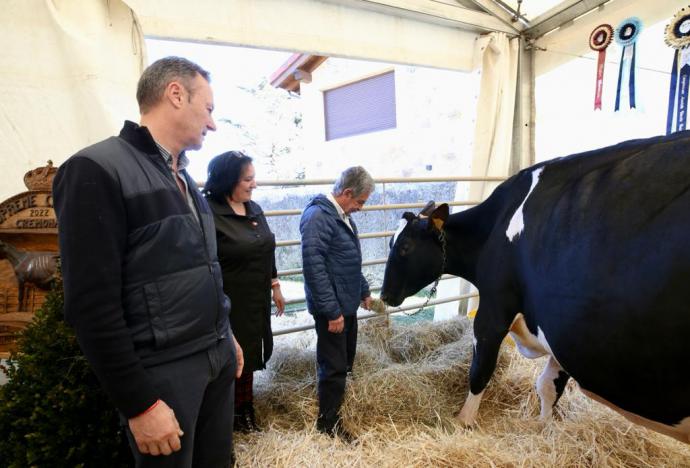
x: 369, y: 235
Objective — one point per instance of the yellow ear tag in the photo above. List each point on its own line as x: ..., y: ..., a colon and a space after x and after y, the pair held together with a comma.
x: 438, y: 223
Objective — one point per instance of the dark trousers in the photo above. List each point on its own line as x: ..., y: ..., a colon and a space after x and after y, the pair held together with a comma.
x: 244, y: 389
x: 200, y: 389
x: 335, y: 354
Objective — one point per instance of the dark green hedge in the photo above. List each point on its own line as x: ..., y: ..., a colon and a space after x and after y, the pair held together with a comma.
x: 53, y: 412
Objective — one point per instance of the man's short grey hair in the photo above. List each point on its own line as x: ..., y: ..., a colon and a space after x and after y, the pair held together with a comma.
x: 160, y: 74
x: 356, y: 178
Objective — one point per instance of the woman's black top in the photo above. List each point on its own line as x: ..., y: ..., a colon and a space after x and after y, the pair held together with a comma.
x: 246, y: 252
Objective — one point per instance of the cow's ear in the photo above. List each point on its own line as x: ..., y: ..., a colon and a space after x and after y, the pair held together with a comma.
x: 409, y: 216
x: 428, y: 208
x: 439, y: 216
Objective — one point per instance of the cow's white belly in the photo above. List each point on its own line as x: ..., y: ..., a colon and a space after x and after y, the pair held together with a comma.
x: 680, y: 432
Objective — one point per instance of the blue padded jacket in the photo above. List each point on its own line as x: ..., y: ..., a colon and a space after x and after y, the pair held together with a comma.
x: 332, y: 261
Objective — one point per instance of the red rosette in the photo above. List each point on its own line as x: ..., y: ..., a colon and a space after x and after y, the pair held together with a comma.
x: 599, y: 40
x: 601, y: 37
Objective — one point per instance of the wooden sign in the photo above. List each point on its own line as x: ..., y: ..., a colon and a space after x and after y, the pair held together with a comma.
x: 28, y: 211
x: 28, y: 233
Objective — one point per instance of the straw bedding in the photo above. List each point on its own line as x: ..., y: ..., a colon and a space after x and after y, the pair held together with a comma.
x: 409, y: 382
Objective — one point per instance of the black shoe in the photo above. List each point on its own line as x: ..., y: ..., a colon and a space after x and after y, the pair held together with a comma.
x: 334, y: 430
x: 342, y: 434
x: 241, y: 421
x: 251, y: 418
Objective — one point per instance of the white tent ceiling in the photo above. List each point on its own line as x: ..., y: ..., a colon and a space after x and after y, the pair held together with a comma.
x: 436, y: 33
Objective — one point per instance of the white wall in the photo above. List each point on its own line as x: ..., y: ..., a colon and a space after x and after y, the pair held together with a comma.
x: 572, y: 40
x: 435, y: 113
x: 566, y: 120
x: 435, y: 123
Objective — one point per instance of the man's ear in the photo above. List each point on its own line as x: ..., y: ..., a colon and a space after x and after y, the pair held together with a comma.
x: 439, y: 216
x: 175, y: 93
x: 348, y: 193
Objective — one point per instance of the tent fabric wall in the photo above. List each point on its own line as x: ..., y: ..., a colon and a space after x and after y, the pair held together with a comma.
x: 69, y: 78
x: 493, y: 134
x: 497, y: 56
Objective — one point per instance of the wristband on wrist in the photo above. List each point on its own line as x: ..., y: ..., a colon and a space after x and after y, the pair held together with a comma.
x: 149, y: 408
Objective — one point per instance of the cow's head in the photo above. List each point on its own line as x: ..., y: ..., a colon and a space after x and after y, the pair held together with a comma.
x: 416, y: 254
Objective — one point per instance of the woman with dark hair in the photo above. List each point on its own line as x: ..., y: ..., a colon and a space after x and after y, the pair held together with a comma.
x: 246, y: 251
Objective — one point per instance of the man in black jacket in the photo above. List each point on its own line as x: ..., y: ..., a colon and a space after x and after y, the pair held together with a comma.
x: 143, y: 287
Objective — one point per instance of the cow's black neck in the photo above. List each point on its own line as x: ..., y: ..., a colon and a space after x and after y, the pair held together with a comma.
x: 467, y: 233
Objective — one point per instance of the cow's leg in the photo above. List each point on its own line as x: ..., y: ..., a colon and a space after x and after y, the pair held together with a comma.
x: 550, y: 386
x: 468, y: 413
x: 489, y: 331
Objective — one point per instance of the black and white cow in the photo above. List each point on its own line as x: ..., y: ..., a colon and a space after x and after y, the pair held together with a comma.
x: 585, y: 259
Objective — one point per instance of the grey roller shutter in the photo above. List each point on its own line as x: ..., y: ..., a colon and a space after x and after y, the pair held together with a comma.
x: 361, y: 107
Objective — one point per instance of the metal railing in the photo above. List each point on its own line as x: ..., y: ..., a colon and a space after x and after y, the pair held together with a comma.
x: 369, y: 235
x: 389, y: 311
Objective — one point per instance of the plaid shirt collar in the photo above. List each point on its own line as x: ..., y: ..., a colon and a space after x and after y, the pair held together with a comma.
x: 182, y: 160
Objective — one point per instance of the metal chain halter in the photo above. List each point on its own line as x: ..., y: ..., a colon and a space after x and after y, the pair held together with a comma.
x: 434, y: 288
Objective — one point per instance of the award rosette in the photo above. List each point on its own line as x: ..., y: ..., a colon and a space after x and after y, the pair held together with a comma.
x: 599, y: 40
x: 625, y: 36
x: 677, y: 36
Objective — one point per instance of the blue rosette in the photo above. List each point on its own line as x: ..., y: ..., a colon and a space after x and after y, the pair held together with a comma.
x: 628, y: 31
x: 626, y: 35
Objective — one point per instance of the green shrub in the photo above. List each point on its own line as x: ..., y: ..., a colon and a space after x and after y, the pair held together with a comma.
x: 53, y: 411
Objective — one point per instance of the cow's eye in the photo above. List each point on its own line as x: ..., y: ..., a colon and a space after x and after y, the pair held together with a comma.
x: 404, y: 248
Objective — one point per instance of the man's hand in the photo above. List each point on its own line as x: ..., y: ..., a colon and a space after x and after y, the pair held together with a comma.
x: 240, y: 358
x: 157, y: 431
x: 337, y: 325
x: 366, y: 303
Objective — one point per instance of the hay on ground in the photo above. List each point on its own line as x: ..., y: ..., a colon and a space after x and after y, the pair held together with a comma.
x: 408, y: 384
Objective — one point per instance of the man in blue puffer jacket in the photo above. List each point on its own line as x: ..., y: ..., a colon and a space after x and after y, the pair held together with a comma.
x: 335, y: 286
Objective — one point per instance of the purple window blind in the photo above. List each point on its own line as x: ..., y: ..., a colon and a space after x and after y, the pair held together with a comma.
x: 361, y: 107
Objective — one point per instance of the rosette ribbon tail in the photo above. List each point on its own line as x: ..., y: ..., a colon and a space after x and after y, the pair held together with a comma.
x: 600, y: 79
x: 631, y: 81
x: 683, y: 87
x: 620, y: 78
x: 627, y: 64
x: 672, y: 94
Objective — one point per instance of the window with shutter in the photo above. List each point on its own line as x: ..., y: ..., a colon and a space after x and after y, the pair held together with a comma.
x: 361, y: 107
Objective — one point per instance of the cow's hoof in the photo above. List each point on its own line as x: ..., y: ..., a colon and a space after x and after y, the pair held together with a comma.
x: 464, y: 421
